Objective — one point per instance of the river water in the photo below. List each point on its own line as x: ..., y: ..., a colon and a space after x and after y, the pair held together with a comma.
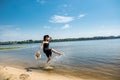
x: 95, y: 59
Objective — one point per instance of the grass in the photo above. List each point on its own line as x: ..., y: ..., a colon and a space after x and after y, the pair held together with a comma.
x: 10, y: 48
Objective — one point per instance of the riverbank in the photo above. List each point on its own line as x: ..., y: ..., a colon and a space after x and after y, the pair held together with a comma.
x: 11, y: 48
x: 11, y: 73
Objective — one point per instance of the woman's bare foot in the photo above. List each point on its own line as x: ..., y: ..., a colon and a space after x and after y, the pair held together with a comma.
x: 60, y: 54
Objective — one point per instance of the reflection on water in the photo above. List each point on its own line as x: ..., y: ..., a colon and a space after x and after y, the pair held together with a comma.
x: 98, y: 59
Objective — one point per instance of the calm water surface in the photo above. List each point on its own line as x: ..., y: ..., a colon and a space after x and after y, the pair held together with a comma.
x: 97, y: 59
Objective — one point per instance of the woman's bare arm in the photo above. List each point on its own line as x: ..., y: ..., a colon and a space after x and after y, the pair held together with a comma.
x: 41, y: 46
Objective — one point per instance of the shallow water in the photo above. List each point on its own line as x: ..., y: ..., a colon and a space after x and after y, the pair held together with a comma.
x: 97, y: 59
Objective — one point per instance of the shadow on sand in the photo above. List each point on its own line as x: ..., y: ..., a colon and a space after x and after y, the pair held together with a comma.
x: 29, y: 69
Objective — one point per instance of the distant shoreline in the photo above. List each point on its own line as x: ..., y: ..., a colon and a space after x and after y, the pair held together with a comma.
x: 61, y: 40
x: 11, y: 48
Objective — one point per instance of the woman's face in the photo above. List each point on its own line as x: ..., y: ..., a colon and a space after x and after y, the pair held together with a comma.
x: 48, y: 38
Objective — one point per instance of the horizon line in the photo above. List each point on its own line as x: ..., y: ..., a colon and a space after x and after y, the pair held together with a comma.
x: 64, y: 38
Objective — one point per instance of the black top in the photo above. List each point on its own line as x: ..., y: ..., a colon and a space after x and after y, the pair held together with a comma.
x: 46, y: 46
x: 46, y: 49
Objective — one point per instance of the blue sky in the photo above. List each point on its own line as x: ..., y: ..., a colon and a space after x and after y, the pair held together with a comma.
x: 31, y: 19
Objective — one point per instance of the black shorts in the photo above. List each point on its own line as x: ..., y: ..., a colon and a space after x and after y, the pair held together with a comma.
x: 48, y: 52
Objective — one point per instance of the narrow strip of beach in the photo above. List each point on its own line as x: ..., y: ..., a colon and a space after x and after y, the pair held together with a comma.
x: 12, y: 73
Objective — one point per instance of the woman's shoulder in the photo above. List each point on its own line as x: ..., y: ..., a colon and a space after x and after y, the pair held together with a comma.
x: 44, y: 42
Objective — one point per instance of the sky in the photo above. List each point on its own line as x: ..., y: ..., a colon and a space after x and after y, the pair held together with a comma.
x: 32, y: 19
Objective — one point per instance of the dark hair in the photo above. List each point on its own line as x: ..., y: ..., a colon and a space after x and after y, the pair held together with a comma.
x: 45, y: 36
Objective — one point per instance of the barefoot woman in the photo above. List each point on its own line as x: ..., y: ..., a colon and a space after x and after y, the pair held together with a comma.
x: 45, y: 46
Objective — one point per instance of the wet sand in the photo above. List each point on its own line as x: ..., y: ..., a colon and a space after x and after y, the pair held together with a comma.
x: 11, y: 73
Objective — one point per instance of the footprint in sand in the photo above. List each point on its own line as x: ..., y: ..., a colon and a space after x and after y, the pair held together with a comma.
x: 24, y: 77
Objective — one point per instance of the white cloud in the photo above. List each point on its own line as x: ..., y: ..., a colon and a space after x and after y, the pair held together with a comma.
x: 61, y: 19
x: 8, y: 33
x: 47, y: 27
x: 81, y: 16
x: 14, y: 33
x: 41, y: 1
x: 64, y: 9
x: 65, y: 5
x: 66, y: 26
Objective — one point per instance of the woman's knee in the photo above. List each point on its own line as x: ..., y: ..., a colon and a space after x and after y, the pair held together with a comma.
x: 49, y: 58
x: 52, y: 49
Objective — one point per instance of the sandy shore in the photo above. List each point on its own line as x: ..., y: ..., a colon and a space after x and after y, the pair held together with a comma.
x: 11, y: 73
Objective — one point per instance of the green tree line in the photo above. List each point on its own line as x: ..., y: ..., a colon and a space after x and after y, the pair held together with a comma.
x: 60, y: 40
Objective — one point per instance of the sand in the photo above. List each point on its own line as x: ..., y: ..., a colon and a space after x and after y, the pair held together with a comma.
x: 11, y: 73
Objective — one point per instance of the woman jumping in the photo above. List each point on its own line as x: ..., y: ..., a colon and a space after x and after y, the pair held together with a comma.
x: 45, y: 46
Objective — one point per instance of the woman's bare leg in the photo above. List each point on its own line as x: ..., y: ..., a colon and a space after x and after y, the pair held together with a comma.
x: 49, y: 58
x: 56, y: 52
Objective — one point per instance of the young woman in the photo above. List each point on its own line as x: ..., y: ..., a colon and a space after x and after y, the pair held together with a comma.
x: 46, y: 49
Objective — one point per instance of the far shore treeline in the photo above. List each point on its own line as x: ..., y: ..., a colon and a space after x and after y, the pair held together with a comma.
x: 60, y: 40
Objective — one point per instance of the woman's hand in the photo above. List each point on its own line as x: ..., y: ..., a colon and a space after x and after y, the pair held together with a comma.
x: 38, y: 55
